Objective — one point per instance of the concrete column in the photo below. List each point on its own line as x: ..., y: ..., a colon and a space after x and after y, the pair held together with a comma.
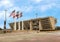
x: 52, y: 23
x: 31, y: 25
x: 19, y: 25
x: 22, y: 25
x: 40, y: 26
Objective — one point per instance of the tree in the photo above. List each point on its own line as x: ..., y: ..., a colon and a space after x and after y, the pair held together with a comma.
x: 0, y: 28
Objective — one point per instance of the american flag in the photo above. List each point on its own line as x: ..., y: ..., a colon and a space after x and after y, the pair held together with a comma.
x: 12, y: 13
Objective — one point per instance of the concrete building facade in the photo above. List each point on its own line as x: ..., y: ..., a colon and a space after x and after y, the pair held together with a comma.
x: 47, y: 23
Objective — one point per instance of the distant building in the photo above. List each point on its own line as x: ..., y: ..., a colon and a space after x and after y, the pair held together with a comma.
x: 47, y: 23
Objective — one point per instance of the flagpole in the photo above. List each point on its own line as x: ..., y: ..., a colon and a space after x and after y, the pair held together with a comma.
x: 19, y: 15
x: 18, y: 21
x: 15, y: 22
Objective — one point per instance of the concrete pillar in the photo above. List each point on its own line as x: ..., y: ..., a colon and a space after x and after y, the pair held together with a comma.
x: 19, y: 25
x: 31, y: 25
x: 40, y: 26
x: 52, y: 23
x: 22, y: 25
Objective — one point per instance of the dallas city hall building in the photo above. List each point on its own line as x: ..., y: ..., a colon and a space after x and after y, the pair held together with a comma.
x: 46, y: 23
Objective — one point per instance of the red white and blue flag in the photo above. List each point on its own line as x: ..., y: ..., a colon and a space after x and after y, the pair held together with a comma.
x: 19, y: 14
x: 12, y: 14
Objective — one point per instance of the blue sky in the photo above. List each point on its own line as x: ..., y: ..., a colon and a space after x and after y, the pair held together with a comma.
x: 29, y: 8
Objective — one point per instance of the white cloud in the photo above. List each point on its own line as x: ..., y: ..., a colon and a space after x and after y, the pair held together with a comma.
x: 46, y: 4
x: 46, y: 7
x: 22, y: 8
x: 27, y: 8
x: 36, y: 1
x: 6, y: 3
x: 2, y: 14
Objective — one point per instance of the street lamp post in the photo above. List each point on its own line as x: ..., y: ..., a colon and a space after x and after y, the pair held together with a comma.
x: 36, y: 15
x: 5, y: 22
x: 36, y: 18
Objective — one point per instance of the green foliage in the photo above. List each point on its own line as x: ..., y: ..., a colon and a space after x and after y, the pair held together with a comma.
x: 0, y: 28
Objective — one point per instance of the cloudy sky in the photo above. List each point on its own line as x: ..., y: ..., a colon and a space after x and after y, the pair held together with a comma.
x: 29, y: 8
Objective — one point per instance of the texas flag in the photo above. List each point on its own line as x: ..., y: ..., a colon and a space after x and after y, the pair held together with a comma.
x: 21, y: 14
x: 18, y: 15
